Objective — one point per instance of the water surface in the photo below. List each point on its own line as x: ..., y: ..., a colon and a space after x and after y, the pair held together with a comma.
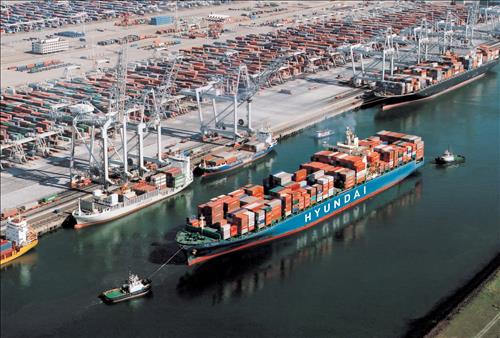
x: 364, y: 273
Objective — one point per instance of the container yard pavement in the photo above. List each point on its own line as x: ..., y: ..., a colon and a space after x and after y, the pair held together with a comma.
x: 14, y: 48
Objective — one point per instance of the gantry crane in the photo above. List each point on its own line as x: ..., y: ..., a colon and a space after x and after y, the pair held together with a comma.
x: 237, y: 89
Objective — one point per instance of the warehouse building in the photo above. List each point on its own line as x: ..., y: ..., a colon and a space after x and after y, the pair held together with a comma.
x: 47, y: 46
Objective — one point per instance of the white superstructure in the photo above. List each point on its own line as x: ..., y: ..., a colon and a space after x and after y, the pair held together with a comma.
x: 17, y: 231
x: 134, y: 284
x: 447, y: 156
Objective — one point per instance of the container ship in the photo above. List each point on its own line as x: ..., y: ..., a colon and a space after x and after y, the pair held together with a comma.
x: 248, y: 152
x: 106, y: 206
x: 426, y: 80
x: 286, y: 203
x: 19, y: 239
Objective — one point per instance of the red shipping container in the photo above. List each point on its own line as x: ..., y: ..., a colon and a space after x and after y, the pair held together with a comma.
x: 300, y: 175
x: 7, y: 253
x: 231, y: 204
x: 237, y: 193
x: 293, y: 185
x: 254, y: 190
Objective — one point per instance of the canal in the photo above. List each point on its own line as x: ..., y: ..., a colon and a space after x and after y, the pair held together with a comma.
x: 365, y: 273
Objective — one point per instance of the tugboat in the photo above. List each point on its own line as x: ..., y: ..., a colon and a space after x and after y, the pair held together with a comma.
x: 449, y: 158
x: 133, y: 288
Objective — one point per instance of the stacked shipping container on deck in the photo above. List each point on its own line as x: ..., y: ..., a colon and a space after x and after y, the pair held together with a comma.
x: 420, y: 76
x: 282, y: 194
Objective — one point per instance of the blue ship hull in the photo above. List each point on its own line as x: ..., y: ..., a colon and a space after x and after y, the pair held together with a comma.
x: 304, y: 219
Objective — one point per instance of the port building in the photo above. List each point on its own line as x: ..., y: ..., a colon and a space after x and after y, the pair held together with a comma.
x: 46, y: 46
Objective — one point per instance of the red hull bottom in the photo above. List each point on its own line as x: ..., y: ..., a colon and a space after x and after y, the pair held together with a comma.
x: 197, y: 260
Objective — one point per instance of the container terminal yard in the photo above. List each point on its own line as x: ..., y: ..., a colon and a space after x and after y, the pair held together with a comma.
x: 101, y: 101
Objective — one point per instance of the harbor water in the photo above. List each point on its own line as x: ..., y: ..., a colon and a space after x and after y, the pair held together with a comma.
x: 365, y: 273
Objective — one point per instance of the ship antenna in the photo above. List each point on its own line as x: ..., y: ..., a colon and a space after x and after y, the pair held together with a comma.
x: 202, y: 222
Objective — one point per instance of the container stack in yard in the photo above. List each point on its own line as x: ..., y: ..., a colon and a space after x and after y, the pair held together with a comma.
x: 21, y: 16
x: 161, y: 20
x: 70, y: 34
x: 28, y: 111
x: 126, y: 39
x: 254, y: 207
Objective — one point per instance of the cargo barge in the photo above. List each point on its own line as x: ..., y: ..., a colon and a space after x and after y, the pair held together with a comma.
x: 104, y: 207
x: 287, y: 203
x: 427, y: 80
x: 222, y: 162
x: 19, y: 239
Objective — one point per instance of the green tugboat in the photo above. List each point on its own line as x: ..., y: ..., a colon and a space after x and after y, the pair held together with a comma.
x: 449, y: 158
x: 133, y: 288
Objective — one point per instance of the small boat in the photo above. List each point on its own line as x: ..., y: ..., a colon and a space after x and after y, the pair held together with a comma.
x: 133, y: 288
x: 323, y: 133
x: 449, y: 158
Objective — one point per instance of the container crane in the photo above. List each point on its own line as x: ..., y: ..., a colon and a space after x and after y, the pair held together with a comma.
x: 238, y: 89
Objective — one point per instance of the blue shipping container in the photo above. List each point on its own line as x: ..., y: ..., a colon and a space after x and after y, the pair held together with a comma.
x: 6, y: 246
x: 161, y: 20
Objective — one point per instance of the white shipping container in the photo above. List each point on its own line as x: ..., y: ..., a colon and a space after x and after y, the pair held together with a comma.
x: 225, y: 234
x: 251, y: 218
x: 130, y: 194
x: 273, y: 203
x: 330, y: 192
x: 330, y: 178
x: 112, y: 199
x: 260, y: 216
x: 317, y: 174
x: 30, y: 205
x: 322, y: 180
x: 282, y: 178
